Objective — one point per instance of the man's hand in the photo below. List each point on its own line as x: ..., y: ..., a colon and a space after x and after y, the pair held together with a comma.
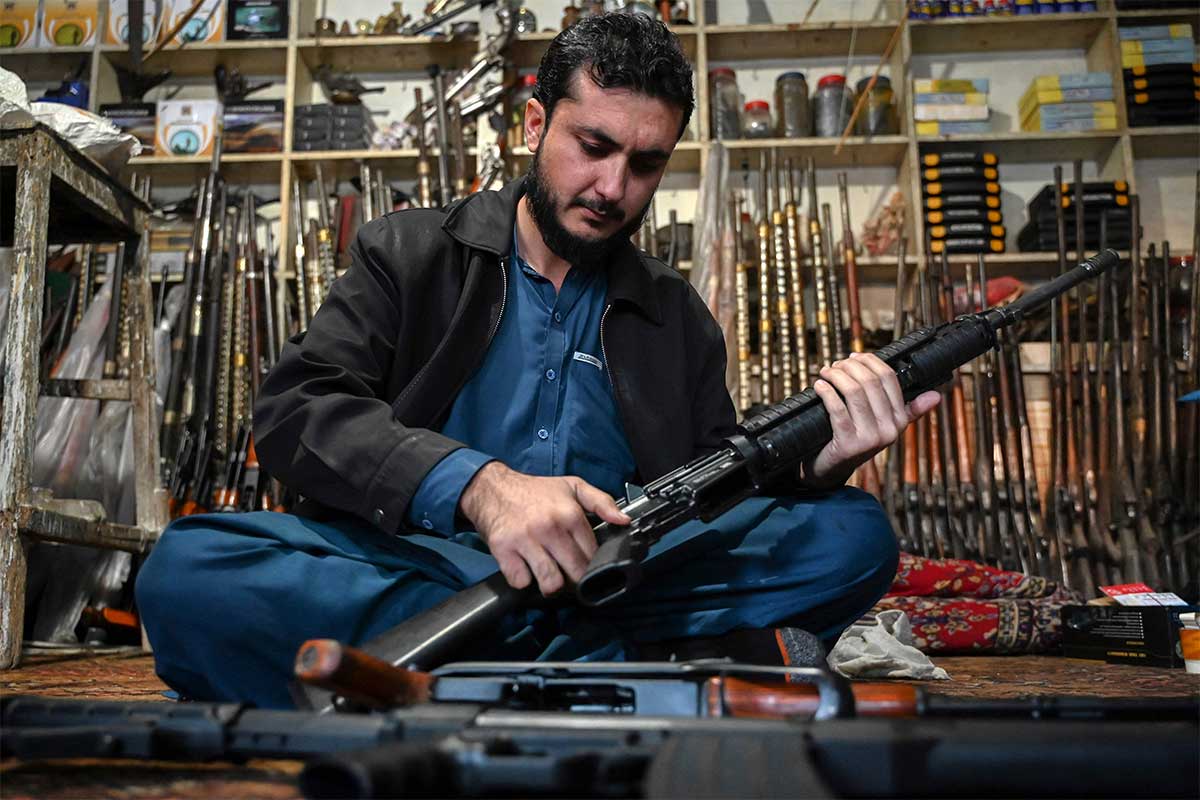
x: 867, y: 413
x: 536, y: 527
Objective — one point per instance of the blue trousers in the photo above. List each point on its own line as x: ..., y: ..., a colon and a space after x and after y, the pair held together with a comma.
x: 227, y: 599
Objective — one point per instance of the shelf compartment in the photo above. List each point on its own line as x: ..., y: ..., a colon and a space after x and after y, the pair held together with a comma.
x: 387, y: 54
x: 237, y: 168
x: 759, y: 42
x: 527, y: 50
x: 45, y: 65
x: 685, y: 158
x: 199, y: 59
x: 858, y: 151
x: 983, y: 34
x: 344, y: 164
x: 1031, y: 147
x: 1172, y: 141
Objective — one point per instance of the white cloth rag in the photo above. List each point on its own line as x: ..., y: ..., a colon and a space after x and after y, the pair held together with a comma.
x: 883, y: 649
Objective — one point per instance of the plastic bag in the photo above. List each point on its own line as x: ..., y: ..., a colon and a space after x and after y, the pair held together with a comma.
x: 715, y: 259
x: 60, y: 576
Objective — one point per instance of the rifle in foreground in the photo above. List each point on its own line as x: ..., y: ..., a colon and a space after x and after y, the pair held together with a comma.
x: 471, y: 749
x: 769, y: 450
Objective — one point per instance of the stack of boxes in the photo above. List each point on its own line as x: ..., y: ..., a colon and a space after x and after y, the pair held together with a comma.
x: 1162, y: 76
x: 954, y: 106
x: 961, y: 196
x: 332, y: 126
x: 1100, y: 198
x: 1073, y: 102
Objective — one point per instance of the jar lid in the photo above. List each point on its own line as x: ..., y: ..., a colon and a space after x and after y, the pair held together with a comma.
x: 790, y: 76
x: 758, y: 105
x: 832, y: 80
x: 722, y: 72
x: 882, y: 82
x: 529, y: 80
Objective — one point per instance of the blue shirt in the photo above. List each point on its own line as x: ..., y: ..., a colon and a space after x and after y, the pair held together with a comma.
x: 541, y: 401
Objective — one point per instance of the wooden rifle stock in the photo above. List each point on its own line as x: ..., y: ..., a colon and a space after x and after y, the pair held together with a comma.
x: 360, y: 677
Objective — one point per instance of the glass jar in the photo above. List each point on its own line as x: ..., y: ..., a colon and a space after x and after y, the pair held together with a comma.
x: 640, y: 7
x: 878, y: 116
x: 516, y: 118
x: 756, y: 120
x: 791, y: 105
x: 833, y: 103
x: 725, y: 100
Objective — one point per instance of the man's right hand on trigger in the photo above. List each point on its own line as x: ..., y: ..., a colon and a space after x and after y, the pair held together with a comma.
x: 536, y: 528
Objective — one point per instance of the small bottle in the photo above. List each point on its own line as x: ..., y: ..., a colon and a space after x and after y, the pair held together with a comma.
x: 791, y: 106
x: 878, y: 117
x: 725, y: 121
x: 833, y: 103
x: 756, y: 120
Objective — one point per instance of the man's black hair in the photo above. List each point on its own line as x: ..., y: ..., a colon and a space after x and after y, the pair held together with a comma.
x: 618, y: 51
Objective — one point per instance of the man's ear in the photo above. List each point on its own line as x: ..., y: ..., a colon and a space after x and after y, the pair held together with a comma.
x: 535, y: 124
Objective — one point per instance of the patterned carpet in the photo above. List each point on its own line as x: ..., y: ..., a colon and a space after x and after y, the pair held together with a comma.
x: 130, y: 676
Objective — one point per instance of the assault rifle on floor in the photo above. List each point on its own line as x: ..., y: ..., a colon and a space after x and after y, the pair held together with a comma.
x: 479, y: 738
x: 770, y: 449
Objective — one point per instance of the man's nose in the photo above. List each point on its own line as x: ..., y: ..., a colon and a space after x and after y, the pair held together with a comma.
x: 610, y: 183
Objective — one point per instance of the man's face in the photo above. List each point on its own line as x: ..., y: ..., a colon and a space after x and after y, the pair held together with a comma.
x: 596, y: 166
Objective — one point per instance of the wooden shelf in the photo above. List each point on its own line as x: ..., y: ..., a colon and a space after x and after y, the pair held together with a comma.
x: 1155, y: 15
x: 395, y: 164
x: 527, y: 50
x: 198, y: 59
x: 755, y: 42
x: 1031, y: 147
x: 237, y: 168
x: 858, y: 151
x: 379, y: 54
x: 686, y: 158
x: 44, y: 66
x: 1172, y: 141
x: 982, y: 34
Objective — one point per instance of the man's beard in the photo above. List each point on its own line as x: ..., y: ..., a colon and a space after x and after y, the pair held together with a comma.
x: 578, y: 251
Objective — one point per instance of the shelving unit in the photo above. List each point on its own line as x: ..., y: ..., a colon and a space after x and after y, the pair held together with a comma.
x: 1092, y: 36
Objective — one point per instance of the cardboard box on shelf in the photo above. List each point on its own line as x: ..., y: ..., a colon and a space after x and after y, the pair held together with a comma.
x: 135, y: 118
x: 20, y: 24
x: 70, y: 23
x: 117, y: 29
x: 208, y: 25
x: 186, y: 127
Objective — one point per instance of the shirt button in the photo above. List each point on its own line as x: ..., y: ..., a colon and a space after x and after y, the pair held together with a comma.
x: 377, y: 517
x: 550, y: 374
x: 543, y: 434
x: 558, y: 316
x: 427, y: 524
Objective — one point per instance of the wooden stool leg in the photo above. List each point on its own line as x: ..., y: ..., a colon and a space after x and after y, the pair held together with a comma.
x: 21, y: 383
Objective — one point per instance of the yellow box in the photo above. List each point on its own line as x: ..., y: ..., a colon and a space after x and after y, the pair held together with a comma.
x: 19, y: 29
x: 208, y: 25
x: 117, y: 30
x: 186, y: 127
x: 70, y: 23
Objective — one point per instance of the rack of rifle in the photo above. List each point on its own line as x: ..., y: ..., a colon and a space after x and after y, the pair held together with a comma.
x: 239, y: 309
x: 779, y: 253
x: 1122, y: 502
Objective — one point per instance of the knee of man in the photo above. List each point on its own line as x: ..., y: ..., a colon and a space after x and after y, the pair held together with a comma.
x: 867, y: 552
x: 163, y: 581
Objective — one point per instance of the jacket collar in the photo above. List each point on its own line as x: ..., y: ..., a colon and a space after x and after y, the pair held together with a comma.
x: 485, y: 220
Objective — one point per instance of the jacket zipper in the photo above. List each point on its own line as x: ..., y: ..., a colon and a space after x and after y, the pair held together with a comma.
x: 504, y: 300
x: 604, y: 350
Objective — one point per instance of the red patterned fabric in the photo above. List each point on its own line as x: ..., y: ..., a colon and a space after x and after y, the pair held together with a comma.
x: 961, y: 607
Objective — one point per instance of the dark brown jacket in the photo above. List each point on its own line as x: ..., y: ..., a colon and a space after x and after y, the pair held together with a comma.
x: 349, y: 416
